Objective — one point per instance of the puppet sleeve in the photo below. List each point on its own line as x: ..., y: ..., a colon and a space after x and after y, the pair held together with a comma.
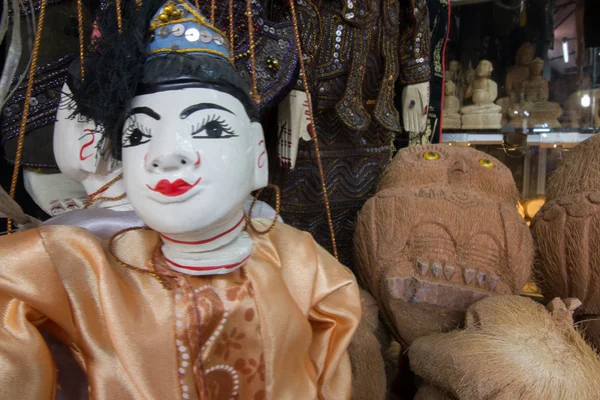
x: 31, y: 295
x: 414, y: 43
x: 334, y: 317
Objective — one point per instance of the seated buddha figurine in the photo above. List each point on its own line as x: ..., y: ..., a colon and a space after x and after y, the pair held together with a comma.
x: 521, y: 73
x: 451, y: 107
x: 515, y: 78
x: 535, y: 110
x: 204, y: 303
x: 483, y: 113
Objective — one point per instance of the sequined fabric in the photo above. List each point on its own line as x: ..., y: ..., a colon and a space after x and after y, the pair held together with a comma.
x: 43, y: 103
x: 352, y: 162
x: 352, y: 158
x: 415, y: 41
x: 276, y: 57
x: 59, y: 46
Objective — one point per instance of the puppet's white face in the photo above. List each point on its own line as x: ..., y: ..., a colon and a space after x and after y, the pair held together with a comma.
x: 190, y: 159
x: 78, y: 148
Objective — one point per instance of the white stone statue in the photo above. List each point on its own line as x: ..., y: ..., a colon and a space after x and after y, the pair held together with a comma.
x: 483, y: 113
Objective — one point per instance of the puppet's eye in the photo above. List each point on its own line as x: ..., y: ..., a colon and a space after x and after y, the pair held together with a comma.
x: 134, y: 136
x: 213, y: 128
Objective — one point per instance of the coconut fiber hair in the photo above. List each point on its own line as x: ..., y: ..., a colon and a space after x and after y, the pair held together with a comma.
x: 567, y: 234
x: 117, y: 68
x: 512, y: 349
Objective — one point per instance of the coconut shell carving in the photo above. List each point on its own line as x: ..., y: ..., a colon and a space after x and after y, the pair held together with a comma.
x: 368, y: 367
x: 430, y: 392
x: 567, y: 234
x: 441, y: 233
x: 512, y: 349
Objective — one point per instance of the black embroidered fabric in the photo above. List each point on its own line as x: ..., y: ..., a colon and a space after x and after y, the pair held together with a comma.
x: 58, y: 49
x: 415, y: 41
x: 353, y: 162
x: 353, y: 159
x: 276, y: 56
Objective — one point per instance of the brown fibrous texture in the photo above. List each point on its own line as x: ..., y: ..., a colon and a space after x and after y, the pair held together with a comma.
x: 567, y: 233
x: 368, y: 368
x: 578, y: 172
x: 441, y: 233
x: 512, y: 348
x: 430, y: 392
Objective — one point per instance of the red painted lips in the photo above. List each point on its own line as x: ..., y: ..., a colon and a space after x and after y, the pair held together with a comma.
x: 173, y: 189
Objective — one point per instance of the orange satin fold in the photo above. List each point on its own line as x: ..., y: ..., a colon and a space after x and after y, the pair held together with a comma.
x: 277, y: 328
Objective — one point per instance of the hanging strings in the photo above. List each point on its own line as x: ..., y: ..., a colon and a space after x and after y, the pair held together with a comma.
x: 32, y: 68
x: 255, y: 94
x: 277, y: 208
x: 119, y: 16
x: 213, y: 7
x: 231, y: 43
x: 314, y: 128
x: 81, y: 39
x: 93, y: 198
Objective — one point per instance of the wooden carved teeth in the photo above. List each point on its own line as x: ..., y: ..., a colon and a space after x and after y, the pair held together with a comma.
x: 422, y: 267
x: 449, y: 271
x: 469, y: 275
x: 436, y: 269
x: 481, y: 278
x: 493, y: 282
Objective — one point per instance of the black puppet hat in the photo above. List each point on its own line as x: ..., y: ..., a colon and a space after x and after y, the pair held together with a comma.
x: 160, y: 46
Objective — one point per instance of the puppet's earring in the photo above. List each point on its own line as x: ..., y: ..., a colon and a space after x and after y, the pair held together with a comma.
x: 277, y: 205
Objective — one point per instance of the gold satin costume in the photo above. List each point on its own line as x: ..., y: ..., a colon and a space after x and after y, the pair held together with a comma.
x: 277, y: 328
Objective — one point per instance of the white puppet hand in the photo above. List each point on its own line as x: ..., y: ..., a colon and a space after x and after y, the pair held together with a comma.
x: 415, y: 106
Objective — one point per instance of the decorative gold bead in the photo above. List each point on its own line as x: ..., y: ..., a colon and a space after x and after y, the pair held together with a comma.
x: 273, y: 64
x: 178, y: 14
x: 169, y: 9
x: 163, y: 17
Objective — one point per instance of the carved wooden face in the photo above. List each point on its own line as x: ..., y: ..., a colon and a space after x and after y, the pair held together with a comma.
x: 442, y: 232
x: 567, y: 233
x: 449, y: 166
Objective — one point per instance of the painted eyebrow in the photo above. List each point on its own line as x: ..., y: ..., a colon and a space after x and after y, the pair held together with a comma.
x: 145, y: 110
x: 202, y: 106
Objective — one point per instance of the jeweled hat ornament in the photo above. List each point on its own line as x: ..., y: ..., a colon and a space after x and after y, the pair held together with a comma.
x: 179, y: 27
x: 151, y: 48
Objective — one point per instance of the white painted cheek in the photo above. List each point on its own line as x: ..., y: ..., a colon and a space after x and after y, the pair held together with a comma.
x: 134, y: 170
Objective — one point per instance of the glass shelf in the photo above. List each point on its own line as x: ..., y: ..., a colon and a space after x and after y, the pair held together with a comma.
x: 543, y: 137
